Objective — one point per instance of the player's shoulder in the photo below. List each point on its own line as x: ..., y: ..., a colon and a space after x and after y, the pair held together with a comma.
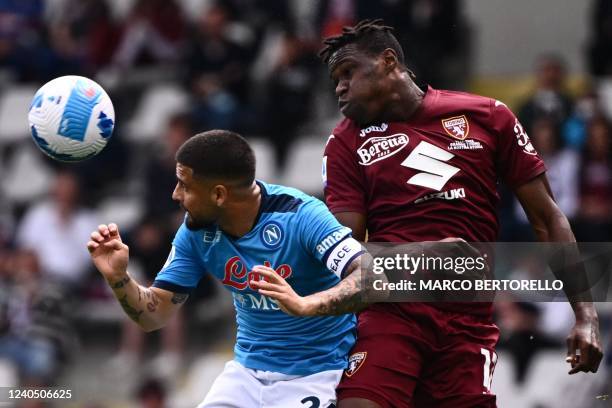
x: 345, y: 128
x: 451, y: 100
x: 277, y: 198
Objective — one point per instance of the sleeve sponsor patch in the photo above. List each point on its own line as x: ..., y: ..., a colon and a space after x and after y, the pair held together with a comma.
x: 342, y: 254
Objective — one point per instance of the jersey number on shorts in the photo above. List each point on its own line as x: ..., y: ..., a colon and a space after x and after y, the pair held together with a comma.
x: 430, y: 160
x: 488, y: 368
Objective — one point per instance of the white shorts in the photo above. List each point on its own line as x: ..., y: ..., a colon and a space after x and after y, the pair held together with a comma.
x: 241, y: 387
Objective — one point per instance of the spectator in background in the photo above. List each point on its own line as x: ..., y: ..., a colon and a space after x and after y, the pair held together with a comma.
x: 92, y: 27
x: 600, y: 48
x: 218, y: 69
x: 152, y: 34
x: 55, y: 229
x: 594, y: 222
x: 549, y: 98
x: 21, y: 39
x: 35, y: 328
x: 289, y: 93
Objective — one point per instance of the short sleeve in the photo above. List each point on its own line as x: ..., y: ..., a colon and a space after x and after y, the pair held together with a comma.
x: 325, y: 238
x: 517, y: 161
x: 182, y: 270
x: 342, y: 178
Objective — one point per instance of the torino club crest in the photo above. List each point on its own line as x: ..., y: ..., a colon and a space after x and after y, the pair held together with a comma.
x: 457, y: 127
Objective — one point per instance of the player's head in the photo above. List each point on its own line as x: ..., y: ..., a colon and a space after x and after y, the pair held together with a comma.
x: 365, y: 62
x: 212, y: 169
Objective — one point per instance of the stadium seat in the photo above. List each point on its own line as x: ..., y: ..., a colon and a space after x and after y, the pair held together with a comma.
x: 26, y: 176
x: 14, y: 107
x: 157, y: 105
x: 303, y: 166
x: 266, y: 160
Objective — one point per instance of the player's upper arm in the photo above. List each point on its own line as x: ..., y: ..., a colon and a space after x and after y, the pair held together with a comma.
x: 168, y: 303
x: 326, y: 239
x: 343, y: 179
x: 537, y: 200
x: 517, y: 161
x: 182, y: 270
x: 355, y: 221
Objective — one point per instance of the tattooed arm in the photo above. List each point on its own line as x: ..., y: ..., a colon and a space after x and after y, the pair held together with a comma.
x: 151, y: 307
x: 350, y: 295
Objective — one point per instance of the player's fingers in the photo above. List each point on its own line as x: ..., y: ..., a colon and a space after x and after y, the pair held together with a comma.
x: 113, y: 229
x: 114, y: 244
x: 92, y: 245
x: 572, y: 354
x: 103, y: 229
x: 262, y: 284
x: 274, y: 295
x: 96, y: 236
x: 269, y: 274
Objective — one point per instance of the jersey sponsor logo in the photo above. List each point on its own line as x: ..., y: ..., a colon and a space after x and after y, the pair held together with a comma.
x: 342, y: 254
x: 468, y: 144
x: 457, y: 127
x: 255, y: 301
x: 355, y: 362
x: 272, y: 235
x: 430, y: 160
x: 331, y: 240
x: 523, y: 139
x: 443, y: 195
x: 236, y: 276
x: 382, y: 128
x: 379, y: 148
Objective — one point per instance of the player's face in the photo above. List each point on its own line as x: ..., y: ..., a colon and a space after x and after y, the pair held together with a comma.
x: 361, y: 84
x: 194, y: 197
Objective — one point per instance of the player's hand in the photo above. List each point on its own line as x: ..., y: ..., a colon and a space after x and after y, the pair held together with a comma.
x: 109, y: 254
x: 277, y: 288
x: 584, y: 351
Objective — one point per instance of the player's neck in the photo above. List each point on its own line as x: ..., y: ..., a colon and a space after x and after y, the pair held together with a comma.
x: 405, y: 101
x: 241, y: 213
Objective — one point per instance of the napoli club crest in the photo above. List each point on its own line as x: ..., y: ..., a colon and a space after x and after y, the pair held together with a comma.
x: 272, y: 235
x: 355, y: 362
x: 457, y: 127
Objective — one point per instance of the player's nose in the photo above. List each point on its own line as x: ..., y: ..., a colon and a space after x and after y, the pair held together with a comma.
x: 175, y: 194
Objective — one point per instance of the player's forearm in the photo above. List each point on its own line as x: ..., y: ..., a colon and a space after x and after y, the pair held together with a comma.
x: 139, y: 303
x: 351, y: 295
x: 569, y: 268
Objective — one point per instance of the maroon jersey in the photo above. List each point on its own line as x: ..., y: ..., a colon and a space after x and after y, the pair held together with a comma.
x: 433, y: 176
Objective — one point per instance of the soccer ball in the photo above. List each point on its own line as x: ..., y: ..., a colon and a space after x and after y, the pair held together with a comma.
x: 71, y: 118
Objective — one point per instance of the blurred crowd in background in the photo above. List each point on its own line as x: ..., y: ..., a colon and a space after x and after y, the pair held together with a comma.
x: 250, y: 66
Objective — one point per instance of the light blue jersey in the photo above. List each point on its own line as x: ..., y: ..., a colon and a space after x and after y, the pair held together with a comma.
x: 296, y: 235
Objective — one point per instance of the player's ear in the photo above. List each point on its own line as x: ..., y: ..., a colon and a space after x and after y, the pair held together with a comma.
x: 219, y: 194
x: 389, y: 59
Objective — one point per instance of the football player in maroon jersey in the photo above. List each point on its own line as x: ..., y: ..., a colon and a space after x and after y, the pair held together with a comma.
x: 412, y: 164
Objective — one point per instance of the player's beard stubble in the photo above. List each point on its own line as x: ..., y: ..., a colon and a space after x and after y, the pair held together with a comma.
x: 194, y: 224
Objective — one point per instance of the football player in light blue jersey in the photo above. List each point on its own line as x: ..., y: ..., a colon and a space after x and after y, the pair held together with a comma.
x: 234, y: 224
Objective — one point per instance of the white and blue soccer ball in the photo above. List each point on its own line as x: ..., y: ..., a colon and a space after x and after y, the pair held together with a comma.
x: 71, y: 118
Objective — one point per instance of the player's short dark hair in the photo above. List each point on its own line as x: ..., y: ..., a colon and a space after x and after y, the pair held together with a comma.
x: 370, y: 36
x: 219, y: 154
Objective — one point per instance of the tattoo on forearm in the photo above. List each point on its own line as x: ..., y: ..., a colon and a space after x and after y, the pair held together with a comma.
x: 139, y: 294
x: 179, y: 298
x: 121, y: 283
x: 152, y: 305
x: 347, y: 297
x: 129, y: 309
